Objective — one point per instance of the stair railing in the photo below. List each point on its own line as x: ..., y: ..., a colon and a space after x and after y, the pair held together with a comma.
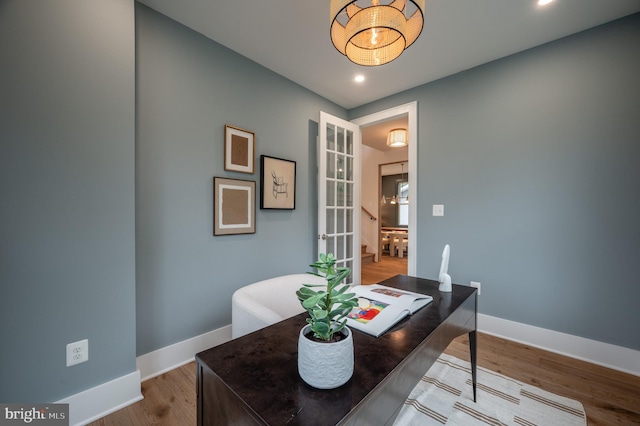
x: 371, y: 216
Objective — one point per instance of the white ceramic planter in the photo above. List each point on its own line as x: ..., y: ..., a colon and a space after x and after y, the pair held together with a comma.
x: 325, y: 365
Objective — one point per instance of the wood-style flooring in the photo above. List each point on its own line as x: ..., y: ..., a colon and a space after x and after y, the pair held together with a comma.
x: 609, y: 397
x: 373, y: 273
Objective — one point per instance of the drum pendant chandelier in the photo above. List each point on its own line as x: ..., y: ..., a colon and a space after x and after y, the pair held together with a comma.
x: 370, y: 33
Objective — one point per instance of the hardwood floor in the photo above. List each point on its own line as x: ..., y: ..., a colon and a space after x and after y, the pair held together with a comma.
x: 387, y: 267
x: 609, y: 397
x: 169, y: 399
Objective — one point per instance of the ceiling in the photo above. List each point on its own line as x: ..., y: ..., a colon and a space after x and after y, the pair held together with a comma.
x: 375, y: 135
x: 291, y: 37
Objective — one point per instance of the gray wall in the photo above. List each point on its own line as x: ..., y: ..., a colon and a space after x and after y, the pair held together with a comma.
x: 188, y: 88
x: 536, y: 160
x: 67, y: 129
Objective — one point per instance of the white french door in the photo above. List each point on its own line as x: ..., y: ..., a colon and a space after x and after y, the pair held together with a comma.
x: 339, y: 192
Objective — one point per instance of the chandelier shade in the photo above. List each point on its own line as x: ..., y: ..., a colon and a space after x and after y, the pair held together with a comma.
x: 370, y: 33
x: 397, y: 138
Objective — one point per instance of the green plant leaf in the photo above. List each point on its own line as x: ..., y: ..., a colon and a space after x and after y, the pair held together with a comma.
x: 312, y: 301
x: 342, y: 297
x: 340, y: 326
x: 306, y: 291
x: 320, y: 314
x: 342, y: 289
x: 321, y: 330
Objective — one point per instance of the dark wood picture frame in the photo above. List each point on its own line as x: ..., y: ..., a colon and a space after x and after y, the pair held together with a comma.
x: 277, y: 183
x: 234, y: 206
x: 239, y: 149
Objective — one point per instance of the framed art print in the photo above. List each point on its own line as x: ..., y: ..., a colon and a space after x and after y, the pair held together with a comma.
x: 234, y: 206
x: 277, y: 183
x: 239, y: 149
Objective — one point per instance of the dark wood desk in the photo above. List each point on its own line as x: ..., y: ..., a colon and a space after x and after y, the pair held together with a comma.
x: 253, y: 380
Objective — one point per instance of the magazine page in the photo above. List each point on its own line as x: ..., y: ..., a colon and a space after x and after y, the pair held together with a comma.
x: 374, y: 317
x: 393, y: 296
x: 380, y: 307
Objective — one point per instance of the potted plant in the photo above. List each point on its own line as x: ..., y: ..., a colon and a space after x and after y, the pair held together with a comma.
x: 325, y: 344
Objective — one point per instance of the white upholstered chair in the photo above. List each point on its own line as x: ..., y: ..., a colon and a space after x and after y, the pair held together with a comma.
x: 266, y: 302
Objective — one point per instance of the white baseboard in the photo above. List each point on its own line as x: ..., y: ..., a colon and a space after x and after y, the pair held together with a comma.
x: 599, y: 353
x: 165, y: 359
x: 92, y: 404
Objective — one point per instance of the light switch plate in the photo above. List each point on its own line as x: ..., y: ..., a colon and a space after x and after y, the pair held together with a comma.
x: 438, y: 210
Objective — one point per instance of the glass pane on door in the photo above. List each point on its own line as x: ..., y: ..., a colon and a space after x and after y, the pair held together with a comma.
x: 349, y: 195
x: 331, y: 246
x: 331, y: 135
x: 331, y: 222
x: 340, y: 219
x: 340, y: 141
x: 331, y: 193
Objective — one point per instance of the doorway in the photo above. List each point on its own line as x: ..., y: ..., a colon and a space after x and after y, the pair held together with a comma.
x: 408, y: 113
x: 392, y: 224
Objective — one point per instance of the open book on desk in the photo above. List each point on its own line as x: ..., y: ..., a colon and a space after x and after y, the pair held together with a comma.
x: 380, y: 307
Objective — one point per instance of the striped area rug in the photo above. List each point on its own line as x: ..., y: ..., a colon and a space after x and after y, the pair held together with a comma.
x: 444, y: 396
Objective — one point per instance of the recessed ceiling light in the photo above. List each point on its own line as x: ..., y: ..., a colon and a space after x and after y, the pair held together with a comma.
x: 359, y: 78
x: 544, y: 2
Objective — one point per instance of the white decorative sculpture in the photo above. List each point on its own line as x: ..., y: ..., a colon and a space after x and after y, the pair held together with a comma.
x: 444, y: 277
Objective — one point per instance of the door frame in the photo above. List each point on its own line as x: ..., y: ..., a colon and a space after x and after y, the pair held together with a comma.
x: 411, y: 109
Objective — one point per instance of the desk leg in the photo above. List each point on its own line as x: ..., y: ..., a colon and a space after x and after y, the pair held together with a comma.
x: 474, y: 360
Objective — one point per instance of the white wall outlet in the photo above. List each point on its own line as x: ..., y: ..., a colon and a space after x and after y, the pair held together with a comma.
x: 438, y: 210
x: 77, y: 352
x: 476, y: 284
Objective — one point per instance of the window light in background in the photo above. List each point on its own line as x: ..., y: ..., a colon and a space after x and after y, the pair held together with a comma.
x: 403, y: 192
x: 397, y: 138
x: 370, y: 33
